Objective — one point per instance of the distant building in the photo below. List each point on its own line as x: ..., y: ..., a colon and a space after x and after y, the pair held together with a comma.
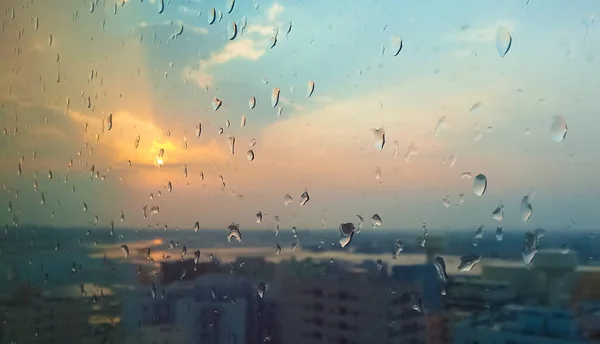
x: 331, y: 303
x: 29, y: 316
x: 524, y: 325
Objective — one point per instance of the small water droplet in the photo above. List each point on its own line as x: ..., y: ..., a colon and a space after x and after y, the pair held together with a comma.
x: 230, y: 4
x: 558, y: 129
x: 252, y: 102
x: 231, y: 141
x: 125, y: 250
x: 232, y: 30
x: 212, y: 16
x: 378, y: 174
x: 410, y: 152
x: 287, y: 199
x: 396, y: 45
x: 479, y: 185
x: 85, y: 207
x: 526, y: 208
x: 216, y: 103
x: 499, y: 234
x: 379, y: 137
x: 304, y: 198
x: 376, y: 220
x: 439, y: 126
x: 310, y: 88
x: 275, y: 97
x: 250, y: 155
x: 498, y: 213
x: 233, y: 232
x: 503, y: 41
x: 109, y: 121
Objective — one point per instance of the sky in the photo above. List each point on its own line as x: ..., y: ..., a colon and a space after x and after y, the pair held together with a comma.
x: 448, y: 95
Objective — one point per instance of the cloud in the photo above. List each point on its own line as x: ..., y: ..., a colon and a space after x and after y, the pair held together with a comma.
x: 176, y: 24
x: 274, y: 11
x: 240, y: 49
x: 482, y: 34
x: 262, y: 30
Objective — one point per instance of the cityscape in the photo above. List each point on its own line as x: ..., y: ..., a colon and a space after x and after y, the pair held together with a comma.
x: 161, y: 291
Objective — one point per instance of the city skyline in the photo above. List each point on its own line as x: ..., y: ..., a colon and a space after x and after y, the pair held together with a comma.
x: 447, y: 92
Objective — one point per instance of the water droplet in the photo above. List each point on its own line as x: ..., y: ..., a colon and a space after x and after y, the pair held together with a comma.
x: 376, y: 220
x: 287, y: 199
x: 468, y: 262
x: 230, y: 4
x: 304, y: 198
x: 154, y: 210
x: 526, y: 208
x: 125, y: 250
x: 378, y: 174
x: 169, y: 186
x: 233, y: 232
x: 252, y: 102
x: 439, y: 126
x: 479, y: 185
x: 231, y: 141
x: 259, y: 217
x: 227, y: 124
x: 243, y: 121
x: 440, y: 267
x: 398, y: 248
x: 232, y: 30
x: 49, y: 174
x: 43, y: 199
x: 216, y: 103
x: 396, y: 45
x: 250, y: 155
x: 212, y: 16
x: 558, y: 129
x: 498, y: 213
x: 310, y: 88
x: 275, y: 97
x: 109, y: 122
x: 220, y: 131
x: 466, y: 175
x: 278, y: 249
x: 379, y: 137
x: 260, y: 290
x: 410, y: 151
x: 503, y: 41
x: 530, y: 246
x: 446, y: 201
x: 85, y: 207
x: 499, y: 234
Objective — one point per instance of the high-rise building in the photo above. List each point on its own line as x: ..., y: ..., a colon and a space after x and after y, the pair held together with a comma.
x: 329, y: 303
x: 524, y: 325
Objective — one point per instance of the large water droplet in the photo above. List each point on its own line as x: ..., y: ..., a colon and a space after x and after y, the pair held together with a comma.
x: 440, y: 267
x: 479, y: 185
x: 526, y: 209
x: 468, y: 262
x: 161, y: 6
x: 310, y: 88
x: 252, y: 103
x: 379, y: 136
x: 558, y: 129
x: 275, y: 97
x: 503, y: 41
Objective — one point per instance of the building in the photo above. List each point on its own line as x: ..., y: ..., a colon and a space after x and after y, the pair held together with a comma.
x: 341, y: 303
x: 524, y: 325
x: 30, y: 316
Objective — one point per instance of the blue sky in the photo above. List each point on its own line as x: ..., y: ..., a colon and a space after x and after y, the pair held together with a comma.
x: 161, y: 86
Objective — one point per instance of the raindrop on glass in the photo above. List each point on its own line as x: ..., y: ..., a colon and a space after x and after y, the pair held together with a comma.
x: 232, y: 30
x: 250, y: 155
x: 125, y: 250
x: 231, y: 141
x: 479, y: 185
x: 212, y: 16
x: 379, y: 137
x: 526, y: 209
x: 503, y: 41
x: 410, y: 151
x: 216, y: 103
x: 233, y: 232
x: 498, y: 213
x: 396, y: 45
x: 558, y: 129
x: 310, y: 88
x: 275, y: 97
x: 304, y: 198
x: 287, y: 199
x: 376, y: 220
x: 468, y: 262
